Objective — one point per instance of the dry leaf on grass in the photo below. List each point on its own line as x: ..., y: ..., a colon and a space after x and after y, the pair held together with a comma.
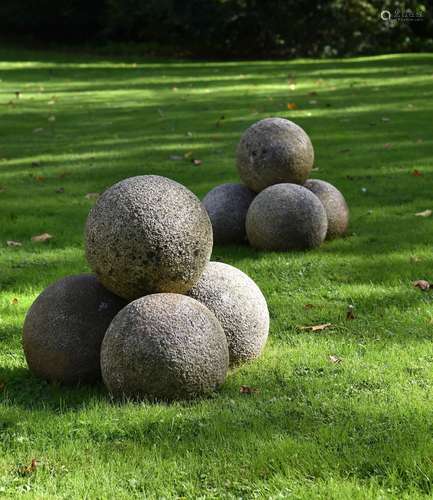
x: 425, y: 213
x: 292, y: 105
x: 14, y: 301
x: 197, y: 162
x: 309, y: 306
x: 244, y: 389
x: 316, y: 328
x: 334, y: 359
x: 12, y: 243
x: 423, y: 285
x: 29, y: 469
x: 416, y: 173
x: 42, y: 237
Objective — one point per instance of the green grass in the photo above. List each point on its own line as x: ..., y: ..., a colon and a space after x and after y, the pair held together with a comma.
x: 359, y: 429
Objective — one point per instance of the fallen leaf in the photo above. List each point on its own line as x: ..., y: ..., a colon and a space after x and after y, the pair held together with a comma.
x: 416, y: 173
x: 92, y: 196
x: 423, y: 285
x: 292, y: 105
x: 316, y: 328
x: 197, y: 162
x: 29, y: 469
x: 244, y: 389
x: 14, y: 301
x: 425, y: 213
x: 39, y: 178
x: 42, y: 237
x: 12, y: 243
x: 350, y: 315
x: 309, y: 306
x: 334, y: 359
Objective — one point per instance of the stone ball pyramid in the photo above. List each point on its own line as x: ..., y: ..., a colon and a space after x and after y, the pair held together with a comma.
x: 277, y: 207
x: 151, y: 320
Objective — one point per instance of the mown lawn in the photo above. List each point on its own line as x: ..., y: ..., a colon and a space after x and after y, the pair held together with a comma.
x: 359, y: 428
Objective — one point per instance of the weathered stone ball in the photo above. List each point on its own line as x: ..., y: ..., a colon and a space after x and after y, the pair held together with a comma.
x: 335, y: 205
x: 240, y: 307
x: 286, y: 217
x: 148, y: 234
x: 164, y: 346
x: 227, y: 207
x: 273, y: 151
x: 64, y: 328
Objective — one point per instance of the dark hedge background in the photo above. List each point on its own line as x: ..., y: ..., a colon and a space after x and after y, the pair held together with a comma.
x: 223, y: 28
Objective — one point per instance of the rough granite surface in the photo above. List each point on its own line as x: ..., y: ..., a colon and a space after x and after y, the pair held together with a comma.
x: 227, y: 207
x: 286, y: 217
x: 240, y: 307
x: 273, y: 151
x: 335, y: 205
x: 148, y: 234
x: 164, y: 347
x: 64, y: 328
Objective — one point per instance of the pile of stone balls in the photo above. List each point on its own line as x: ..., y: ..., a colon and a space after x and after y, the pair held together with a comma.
x: 277, y: 207
x: 158, y: 320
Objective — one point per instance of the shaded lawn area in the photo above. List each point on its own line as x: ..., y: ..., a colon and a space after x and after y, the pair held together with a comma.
x: 361, y: 428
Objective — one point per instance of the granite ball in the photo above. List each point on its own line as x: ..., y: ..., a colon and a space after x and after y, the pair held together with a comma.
x: 148, y: 234
x: 274, y: 151
x: 227, y: 207
x: 286, y: 217
x: 240, y: 307
x: 335, y: 205
x: 165, y: 347
x: 64, y: 328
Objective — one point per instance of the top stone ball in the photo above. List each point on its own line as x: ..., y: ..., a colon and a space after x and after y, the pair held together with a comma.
x: 148, y: 234
x: 274, y: 151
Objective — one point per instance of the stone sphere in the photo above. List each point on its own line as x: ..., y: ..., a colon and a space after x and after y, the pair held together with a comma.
x: 148, y: 234
x: 240, y: 307
x: 286, y: 217
x: 164, y: 346
x: 335, y: 205
x: 64, y: 328
x: 227, y: 207
x: 273, y: 151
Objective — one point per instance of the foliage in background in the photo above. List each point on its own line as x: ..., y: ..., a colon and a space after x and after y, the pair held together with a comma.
x: 227, y: 27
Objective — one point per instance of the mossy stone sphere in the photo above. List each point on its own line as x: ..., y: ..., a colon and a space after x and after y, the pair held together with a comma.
x: 286, y: 217
x: 273, y: 151
x: 335, y: 205
x: 164, y: 347
x: 240, y: 307
x: 148, y: 234
x: 64, y: 328
x: 227, y: 207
